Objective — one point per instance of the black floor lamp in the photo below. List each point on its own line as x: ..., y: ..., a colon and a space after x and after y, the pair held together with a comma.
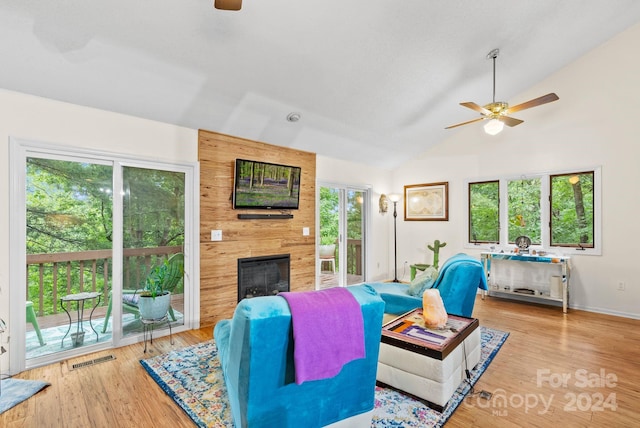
x: 395, y: 198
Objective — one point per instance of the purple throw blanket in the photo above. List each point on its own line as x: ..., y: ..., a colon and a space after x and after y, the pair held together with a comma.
x: 328, y: 332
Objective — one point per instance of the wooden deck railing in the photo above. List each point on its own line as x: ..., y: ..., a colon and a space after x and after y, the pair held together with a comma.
x: 354, y: 256
x: 86, y: 271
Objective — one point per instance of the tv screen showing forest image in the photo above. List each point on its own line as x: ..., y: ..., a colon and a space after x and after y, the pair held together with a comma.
x: 262, y: 185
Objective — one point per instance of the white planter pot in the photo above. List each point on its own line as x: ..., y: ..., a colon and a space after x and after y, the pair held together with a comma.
x: 154, y: 309
x: 327, y: 250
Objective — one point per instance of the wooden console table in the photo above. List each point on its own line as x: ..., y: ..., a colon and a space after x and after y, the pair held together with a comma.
x: 509, y: 273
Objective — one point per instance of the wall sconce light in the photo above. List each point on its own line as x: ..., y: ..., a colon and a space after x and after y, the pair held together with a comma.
x: 574, y: 179
x: 383, y: 204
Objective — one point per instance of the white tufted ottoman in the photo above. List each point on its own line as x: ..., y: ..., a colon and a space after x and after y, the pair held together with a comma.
x: 414, y: 360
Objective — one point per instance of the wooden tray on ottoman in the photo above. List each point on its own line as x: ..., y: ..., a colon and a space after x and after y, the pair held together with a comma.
x: 409, y: 332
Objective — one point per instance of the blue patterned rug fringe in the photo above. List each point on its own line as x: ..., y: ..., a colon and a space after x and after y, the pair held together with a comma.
x: 192, y: 377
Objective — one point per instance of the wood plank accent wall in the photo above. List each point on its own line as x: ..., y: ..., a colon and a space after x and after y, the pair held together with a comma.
x: 217, y: 154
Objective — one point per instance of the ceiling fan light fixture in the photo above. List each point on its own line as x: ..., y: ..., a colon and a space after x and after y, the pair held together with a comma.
x: 493, y: 127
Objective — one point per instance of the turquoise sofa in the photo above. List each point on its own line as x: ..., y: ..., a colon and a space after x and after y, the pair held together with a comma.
x: 255, y: 348
x: 458, y: 282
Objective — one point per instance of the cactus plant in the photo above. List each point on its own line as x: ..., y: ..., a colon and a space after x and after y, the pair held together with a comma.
x: 436, y: 251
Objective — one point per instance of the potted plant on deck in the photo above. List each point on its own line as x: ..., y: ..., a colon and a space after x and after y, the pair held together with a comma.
x: 155, y: 299
x: 327, y: 250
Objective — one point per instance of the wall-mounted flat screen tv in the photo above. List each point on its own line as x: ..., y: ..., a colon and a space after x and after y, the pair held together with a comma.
x: 263, y: 185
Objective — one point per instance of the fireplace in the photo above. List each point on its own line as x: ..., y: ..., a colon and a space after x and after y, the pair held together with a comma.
x: 263, y: 276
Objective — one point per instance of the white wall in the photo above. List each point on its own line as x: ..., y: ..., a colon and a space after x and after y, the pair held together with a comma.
x: 44, y: 120
x: 353, y: 173
x: 595, y: 122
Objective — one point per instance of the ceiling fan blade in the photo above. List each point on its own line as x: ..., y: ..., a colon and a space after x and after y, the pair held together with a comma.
x: 533, y: 103
x: 465, y: 123
x: 228, y: 4
x: 510, y: 121
x: 476, y: 107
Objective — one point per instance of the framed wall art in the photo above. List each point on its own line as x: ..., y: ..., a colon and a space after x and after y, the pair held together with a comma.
x: 424, y: 202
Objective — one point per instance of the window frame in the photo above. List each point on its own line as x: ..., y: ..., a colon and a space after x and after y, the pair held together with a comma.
x: 577, y: 246
x: 469, y: 230
x: 545, y: 213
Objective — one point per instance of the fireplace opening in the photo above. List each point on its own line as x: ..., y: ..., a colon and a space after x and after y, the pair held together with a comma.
x: 263, y: 276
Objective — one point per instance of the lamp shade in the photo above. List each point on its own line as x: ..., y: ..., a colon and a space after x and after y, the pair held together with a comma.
x: 493, y: 127
x: 394, y: 197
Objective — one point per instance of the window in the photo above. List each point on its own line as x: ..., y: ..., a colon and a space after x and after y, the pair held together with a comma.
x: 484, y: 216
x: 557, y: 210
x: 524, y: 209
x: 572, y: 209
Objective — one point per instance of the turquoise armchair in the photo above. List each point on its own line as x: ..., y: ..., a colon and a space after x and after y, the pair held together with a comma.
x: 458, y: 282
x: 255, y: 348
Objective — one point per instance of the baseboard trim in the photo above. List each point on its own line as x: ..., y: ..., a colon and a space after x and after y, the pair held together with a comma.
x: 605, y: 311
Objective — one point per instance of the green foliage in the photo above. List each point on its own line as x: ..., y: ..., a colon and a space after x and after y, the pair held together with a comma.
x: 329, y: 215
x: 69, y: 210
x: 524, y: 209
x: 330, y: 221
x: 572, y: 210
x: 354, y: 214
x: 163, y: 278
x: 68, y: 206
x: 153, y: 204
x: 484, y: 218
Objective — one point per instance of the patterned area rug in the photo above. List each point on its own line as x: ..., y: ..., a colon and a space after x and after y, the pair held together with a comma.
x: 193, y: 378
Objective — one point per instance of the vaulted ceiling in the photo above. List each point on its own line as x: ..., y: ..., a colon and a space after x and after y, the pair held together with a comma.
x: 374, y: 81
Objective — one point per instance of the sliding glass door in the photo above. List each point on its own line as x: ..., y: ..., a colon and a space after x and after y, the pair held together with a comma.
x: 355, y: 235
x: 342, y: 220
x: 153, y: 236
x: 69, y: 225
x: 90, y: 230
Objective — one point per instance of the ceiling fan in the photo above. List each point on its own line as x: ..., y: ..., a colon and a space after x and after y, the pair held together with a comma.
x: 228, y: 4
x: 497, y: 112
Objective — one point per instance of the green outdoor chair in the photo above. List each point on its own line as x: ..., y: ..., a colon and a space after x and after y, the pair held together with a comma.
x: 31, y: 317
x: 130, y: 297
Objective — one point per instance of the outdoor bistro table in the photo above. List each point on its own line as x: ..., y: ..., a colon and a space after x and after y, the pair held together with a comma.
x: 79, y: 298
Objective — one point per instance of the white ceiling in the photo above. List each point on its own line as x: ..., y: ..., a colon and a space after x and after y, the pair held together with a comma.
x: 376, y: 81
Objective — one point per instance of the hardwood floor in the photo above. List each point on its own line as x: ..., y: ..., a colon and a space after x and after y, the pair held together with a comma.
x: 554, y: 369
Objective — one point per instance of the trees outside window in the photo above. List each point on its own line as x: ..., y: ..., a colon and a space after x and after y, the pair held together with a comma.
x: 484, y: 214
x: 524, y: 209
x: 553, y: 210
x: 572, y: 206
